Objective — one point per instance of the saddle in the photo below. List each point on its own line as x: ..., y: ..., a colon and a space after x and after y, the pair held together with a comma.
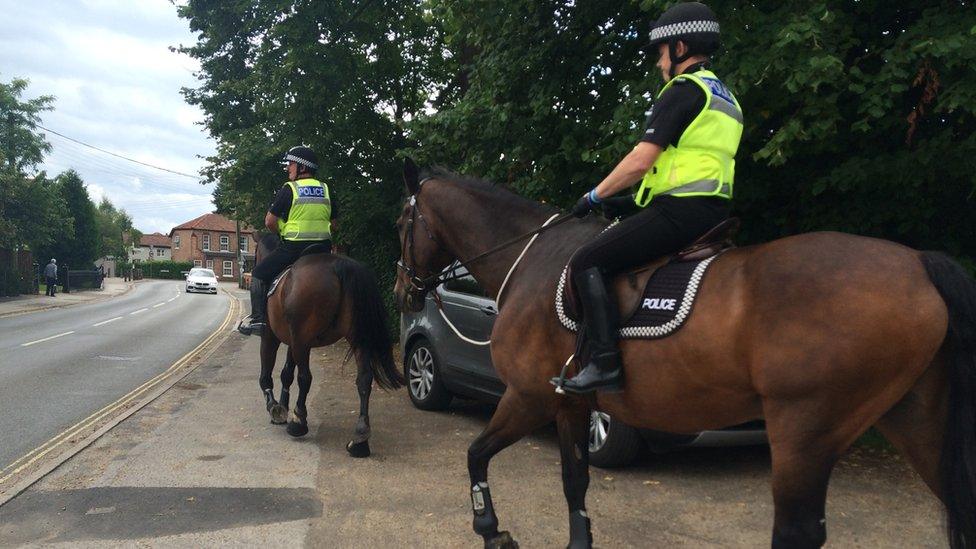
x: 655, y: 299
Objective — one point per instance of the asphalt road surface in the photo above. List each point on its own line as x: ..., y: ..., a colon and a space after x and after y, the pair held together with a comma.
x: 59, y: 366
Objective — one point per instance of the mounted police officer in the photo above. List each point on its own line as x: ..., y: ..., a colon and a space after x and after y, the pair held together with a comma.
x: 685, y: 164
x: 301, y: 215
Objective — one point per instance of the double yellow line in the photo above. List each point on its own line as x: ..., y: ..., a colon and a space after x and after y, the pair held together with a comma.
x: 67, y: 435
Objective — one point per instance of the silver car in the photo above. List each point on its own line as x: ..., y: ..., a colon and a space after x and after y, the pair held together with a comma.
x: 201, y: 280
x: 439, y: 366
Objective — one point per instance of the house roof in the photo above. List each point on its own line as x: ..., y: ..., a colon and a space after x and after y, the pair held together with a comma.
x: 212, y: 222
x: 158, y: 240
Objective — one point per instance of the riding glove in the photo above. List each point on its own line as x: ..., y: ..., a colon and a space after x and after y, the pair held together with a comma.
x: 583, y: 206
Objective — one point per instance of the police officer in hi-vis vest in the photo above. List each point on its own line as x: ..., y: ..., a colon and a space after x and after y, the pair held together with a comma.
x: 302, y: 215
x: 685, y: 165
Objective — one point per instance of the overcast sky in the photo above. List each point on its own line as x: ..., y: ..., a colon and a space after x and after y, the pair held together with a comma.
x: 117, y: 86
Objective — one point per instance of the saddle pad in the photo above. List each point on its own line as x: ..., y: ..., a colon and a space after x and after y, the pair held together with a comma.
x: 665, y: 304
x: 274, y: 284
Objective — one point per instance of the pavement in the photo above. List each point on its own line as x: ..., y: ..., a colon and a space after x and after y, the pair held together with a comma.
x: 202, y: 466
x: 16, y: 305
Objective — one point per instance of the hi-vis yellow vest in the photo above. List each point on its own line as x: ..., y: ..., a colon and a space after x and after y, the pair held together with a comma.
x: 703, y: 163
x: 310, y: 215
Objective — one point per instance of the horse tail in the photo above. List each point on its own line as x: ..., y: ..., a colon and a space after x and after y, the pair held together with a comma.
x: 370, y: 336
x: 958, y: 466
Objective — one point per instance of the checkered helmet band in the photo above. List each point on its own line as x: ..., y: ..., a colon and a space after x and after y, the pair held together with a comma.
x: 684, y: 28
x: 302, y: 161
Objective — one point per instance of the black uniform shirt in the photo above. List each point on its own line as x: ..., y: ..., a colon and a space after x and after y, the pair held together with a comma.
x: 282, y: 203
x: 674, y: 111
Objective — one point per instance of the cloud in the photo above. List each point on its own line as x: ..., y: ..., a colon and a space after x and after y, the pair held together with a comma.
x: 117, y: 86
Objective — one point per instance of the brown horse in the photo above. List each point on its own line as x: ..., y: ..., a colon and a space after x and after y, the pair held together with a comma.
x: 321, y: 299
x: 822, y: 335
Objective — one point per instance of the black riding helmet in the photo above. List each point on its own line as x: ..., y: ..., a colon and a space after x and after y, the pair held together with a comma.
x: 693, y: 23
x: 303, y: 156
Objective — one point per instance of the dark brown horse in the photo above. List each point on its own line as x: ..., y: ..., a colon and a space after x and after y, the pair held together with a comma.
x: 822, y: 335
x: 321, y: 299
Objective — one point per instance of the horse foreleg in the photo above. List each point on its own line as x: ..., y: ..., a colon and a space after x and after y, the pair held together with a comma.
x: 512, y: 420
x: 359, y: 445
x: 269, y: 353
x: 298, y: 422
x: 574, y: 450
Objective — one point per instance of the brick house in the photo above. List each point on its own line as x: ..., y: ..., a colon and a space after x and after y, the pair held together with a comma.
x: 211, y: 241
x: 154, y: 246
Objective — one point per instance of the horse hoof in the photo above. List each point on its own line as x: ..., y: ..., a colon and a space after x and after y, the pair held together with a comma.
x: 297, y: 429
x: 279, y: 414
x: 358, y: 449
x: 502, y: 541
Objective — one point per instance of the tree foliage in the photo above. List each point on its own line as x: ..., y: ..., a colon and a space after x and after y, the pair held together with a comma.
x: 859, y: 115
x: 79, y: 248
x: 29, y: 210
x: 113, y: 224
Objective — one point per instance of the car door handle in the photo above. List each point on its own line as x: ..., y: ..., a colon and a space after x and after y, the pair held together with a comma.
x: 488, y: 310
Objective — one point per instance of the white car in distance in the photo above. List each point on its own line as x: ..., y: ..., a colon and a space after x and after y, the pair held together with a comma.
x: 201, y: 280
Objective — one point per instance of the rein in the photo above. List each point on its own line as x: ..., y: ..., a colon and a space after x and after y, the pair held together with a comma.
x: 431, y: 282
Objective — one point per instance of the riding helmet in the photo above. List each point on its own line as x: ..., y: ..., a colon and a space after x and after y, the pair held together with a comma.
x: 693, y: 23
x: 303, y: 156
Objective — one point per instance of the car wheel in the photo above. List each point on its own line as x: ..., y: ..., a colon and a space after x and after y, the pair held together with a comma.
x: 422, y: 371
x: 612, y: 443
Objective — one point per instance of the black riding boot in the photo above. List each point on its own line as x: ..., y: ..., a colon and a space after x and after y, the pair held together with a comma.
x: 602, y: 372
x: 259, y: 309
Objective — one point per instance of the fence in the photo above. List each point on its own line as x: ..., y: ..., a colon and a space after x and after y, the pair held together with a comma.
x: 17, y: 272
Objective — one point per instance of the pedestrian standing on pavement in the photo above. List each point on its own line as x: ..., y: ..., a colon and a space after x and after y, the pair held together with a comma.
x: 301, y: 215
x: 51, y: 276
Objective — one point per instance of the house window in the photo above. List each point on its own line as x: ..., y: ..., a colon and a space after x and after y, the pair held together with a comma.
x: 197, y: 263
x: 243, y: 244
x: 159, y: 252
x: 176, y: 242
x: 210, y: 264
x: 224, y: 243
x: 228, y: 268
x: 206, y: 242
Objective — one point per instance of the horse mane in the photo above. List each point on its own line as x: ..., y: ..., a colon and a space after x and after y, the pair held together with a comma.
x: 510, y: 200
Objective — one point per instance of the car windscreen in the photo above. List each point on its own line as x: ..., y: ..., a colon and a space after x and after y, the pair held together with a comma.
x: 203, y: 272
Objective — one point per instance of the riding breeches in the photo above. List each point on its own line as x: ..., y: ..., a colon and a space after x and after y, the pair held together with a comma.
x: 664, y: 227
x: 284, y: 255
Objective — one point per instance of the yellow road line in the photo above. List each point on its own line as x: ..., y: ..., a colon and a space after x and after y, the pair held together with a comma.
x: 84, y: 424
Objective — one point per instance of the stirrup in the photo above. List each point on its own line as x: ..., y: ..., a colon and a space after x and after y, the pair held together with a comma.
x: 252, y: 328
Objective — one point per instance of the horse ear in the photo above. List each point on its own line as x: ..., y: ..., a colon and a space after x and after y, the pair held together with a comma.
x: 411, y: 176
x: 256, y: 236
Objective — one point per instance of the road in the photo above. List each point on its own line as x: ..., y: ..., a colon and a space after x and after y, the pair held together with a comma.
x: 59, y: 366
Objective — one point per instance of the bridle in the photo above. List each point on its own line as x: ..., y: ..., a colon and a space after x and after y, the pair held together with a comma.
x: 418, y: 283
x: 430, y: 282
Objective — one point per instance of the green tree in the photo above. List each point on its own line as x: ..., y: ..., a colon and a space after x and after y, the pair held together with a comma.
x: 80, y: 249
x: 29, y: 209
x: 342, y: 77
x: 113, y: 224
x: 859, y: 116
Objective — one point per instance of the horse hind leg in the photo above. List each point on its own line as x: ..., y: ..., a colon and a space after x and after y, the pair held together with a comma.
x: 298, y: 422
x: 513, y: 419
x: 279, y: 413
x: 358, y: 447
x: 916, y: 425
